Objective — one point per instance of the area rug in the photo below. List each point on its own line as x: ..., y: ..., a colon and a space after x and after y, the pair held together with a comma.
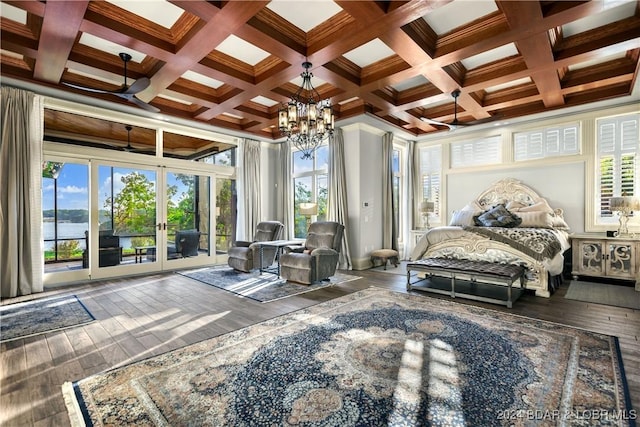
x: 371, y: 358
x: 36, y: 317
x: 604, y: 293
x: 263, y: 287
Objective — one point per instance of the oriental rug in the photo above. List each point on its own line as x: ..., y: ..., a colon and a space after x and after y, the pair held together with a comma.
x: 371, y: 358
x: 25, y: 319
x: 263, y: 287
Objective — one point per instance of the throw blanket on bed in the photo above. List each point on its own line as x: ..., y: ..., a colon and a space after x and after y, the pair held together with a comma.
x: 538, y: 243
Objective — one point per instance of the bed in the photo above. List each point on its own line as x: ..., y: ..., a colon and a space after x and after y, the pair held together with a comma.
x: 508, y: 223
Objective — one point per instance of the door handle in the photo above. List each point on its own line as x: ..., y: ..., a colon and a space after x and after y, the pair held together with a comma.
x: 159, y: 226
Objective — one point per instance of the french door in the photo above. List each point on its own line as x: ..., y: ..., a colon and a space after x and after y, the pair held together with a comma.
x: 134, y: 219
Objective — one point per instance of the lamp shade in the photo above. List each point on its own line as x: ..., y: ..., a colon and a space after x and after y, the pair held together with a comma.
x: 624, y: 203
x: 308, y: 209
x: 427, y: 206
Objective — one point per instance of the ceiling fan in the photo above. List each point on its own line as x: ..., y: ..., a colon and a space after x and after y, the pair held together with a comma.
x: 455, y: 124
x: 126, y: 92
x: 130, y: 148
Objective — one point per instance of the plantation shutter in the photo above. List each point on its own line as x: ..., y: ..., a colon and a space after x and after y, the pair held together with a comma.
x: 478, y: 152
x: 431, y: 172
x: 548, y: 142
x: 618, y: 148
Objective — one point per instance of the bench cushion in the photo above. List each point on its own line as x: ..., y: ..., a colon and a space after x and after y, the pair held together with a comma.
x: 465, y: 266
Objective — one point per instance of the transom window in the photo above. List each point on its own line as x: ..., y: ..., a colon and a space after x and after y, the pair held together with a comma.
x: 310, y: 185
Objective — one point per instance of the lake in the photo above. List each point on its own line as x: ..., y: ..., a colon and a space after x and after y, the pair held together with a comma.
x: 73, y: 230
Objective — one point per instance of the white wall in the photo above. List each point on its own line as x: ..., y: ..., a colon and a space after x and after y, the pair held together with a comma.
x: 561, y: 184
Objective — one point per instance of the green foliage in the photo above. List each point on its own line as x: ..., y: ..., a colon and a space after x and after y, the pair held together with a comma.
x: 69, y: 249
x: 134, y: 207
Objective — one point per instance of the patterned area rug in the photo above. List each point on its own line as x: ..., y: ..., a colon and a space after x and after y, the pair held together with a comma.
x: 604, y: 293
x: 372, y: 358
x: 263, y: 287
x: 36, y: 317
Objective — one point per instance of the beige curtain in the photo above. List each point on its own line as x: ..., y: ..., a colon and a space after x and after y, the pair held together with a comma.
x: 286, y: 193
x: 389, y: 226
x: 251, y: 187
x: 21, y: 255
x: 414, y: 190
x: 337, y: 204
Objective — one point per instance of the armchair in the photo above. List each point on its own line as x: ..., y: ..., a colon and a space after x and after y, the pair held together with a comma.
x: 245, y: 256
x: 318, y: 258
x: 186, y: 244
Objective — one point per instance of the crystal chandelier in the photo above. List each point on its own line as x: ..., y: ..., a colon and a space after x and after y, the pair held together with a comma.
x: 307, y: 119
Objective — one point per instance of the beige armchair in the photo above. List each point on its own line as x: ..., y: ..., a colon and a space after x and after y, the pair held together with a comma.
x: 245, y: 256
x: 318, y: 258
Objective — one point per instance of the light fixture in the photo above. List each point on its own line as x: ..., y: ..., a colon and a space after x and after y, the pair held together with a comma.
x: 308, y: 210
x: 624, y: 205
x: 426, y: 207
x: 306, y: 119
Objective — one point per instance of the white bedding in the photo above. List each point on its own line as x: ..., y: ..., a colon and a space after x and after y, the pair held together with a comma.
x: 437, y: 235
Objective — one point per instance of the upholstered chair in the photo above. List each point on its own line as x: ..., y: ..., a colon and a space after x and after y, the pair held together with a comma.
x: 245, y: 255
x: 186, y: 244
x: 318, y: 258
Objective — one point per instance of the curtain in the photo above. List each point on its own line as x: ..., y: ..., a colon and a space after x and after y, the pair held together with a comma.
x: 337, y: 205
x: 251, y: 187
x: 21, y: 255
x: 413, y: 187
x: 389, y: 226
x: 286, y: 199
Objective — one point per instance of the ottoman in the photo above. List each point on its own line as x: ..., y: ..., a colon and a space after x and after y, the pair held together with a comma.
x: 383, y: 255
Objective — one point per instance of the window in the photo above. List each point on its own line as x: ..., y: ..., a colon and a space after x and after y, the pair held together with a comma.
x: 397, y: 170
x: 548, y: 142
x: 431, y: 174
x: 65, y: 214
x: 618, y: 146
x: 310, y: 186
x: 485, y: 151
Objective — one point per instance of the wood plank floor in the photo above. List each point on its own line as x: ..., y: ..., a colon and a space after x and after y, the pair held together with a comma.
x: 149, y: 315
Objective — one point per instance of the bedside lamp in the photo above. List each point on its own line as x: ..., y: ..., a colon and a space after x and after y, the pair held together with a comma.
x: 624, y: 205
x: 308, y: 210
x: 426, y: 207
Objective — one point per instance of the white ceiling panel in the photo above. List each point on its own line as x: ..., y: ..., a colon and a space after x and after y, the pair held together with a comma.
x: 457, y: 13
x: 203, y: 80
x: 246, y: 52
x: 13, y: 13
x: 489, y: 56
x: 305, y: 14
x: 159, y: 11
x: 110, y: 47
x: 369, y: 53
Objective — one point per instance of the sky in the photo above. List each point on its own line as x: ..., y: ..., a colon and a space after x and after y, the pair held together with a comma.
x: 73, y: 185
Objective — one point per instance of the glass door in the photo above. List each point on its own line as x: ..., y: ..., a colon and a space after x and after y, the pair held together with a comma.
x: 190, y: 227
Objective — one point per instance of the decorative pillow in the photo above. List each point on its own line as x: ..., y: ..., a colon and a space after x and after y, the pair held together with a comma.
x: 558, y: 222
x: 535, y: 219
x: 464, y: 218
x: 498, y: 216
x: 540, y: 206
x: 474, y: 207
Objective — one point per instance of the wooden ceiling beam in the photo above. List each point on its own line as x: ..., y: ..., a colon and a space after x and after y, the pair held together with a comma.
x: 231, y: 17
x: 536, y: 49
x: 57, y: 41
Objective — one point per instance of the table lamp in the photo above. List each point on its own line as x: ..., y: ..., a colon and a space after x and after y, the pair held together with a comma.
x: 426, y: 207
x: 308, y: 210
x: 624, y: 205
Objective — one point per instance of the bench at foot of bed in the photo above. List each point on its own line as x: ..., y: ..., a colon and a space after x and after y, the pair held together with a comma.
x: 474, y: 270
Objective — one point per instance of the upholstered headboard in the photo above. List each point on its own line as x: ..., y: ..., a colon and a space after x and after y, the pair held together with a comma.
x: 510, y: 190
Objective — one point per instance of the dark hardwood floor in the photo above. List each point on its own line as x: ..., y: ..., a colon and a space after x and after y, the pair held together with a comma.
x: 144, y: 316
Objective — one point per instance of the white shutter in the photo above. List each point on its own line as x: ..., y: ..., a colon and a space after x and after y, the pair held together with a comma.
x: 478, y: 152
x: 548, y: 142
x: 431, y: 172
x: 618, y: 149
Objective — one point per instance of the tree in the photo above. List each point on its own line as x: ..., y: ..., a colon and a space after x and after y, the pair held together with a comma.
x: 134, y: 207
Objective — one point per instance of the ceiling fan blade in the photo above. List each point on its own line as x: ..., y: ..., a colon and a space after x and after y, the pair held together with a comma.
x: 85, y: 88
x: 437, y: 123
x: 138, y: 86
x: 142, y: 104
x: 495, y: 117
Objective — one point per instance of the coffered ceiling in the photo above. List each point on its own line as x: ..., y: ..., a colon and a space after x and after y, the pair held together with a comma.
x: 231, y: 64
